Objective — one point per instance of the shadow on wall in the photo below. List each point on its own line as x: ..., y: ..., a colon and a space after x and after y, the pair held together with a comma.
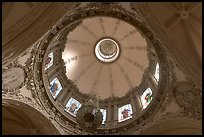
x: 21, y: 119
x: 175, y: 126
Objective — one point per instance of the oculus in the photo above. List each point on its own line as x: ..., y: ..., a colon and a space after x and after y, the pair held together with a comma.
x: 107, y: 50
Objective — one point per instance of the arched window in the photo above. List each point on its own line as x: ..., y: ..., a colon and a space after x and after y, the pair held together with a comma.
x: 49, y: 60
x: 103, y: 111
x: 156, y: 74
x: 146, y: 98
x: 72, y: 106
x: 124, y: 112
x: 55, y: 87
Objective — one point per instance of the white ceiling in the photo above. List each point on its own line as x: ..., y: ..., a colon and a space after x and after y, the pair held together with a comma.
x: 106, y: 79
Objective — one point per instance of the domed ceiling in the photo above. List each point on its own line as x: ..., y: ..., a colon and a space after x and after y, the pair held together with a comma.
x: 123, y: 53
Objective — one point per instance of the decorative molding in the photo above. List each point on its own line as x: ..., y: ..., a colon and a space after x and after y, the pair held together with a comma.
x: 35, y: 79
x: 186, y: 92
x: 94, y: 9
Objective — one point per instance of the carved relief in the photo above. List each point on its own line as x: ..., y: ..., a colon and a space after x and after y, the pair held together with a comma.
x: 33, y: 77
x: 189, y: 99
x: 115, y: 9
x: 13, y: 78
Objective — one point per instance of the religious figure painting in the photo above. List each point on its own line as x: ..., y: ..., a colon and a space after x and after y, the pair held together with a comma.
x: 55, y: 87
x: 72, y: 106
x: 146, y: 98
x: 124, y: 112
x: 49, y: 60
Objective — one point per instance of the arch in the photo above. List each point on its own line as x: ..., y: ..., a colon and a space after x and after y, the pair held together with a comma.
x: 175, y: 126
x: 21, y: 119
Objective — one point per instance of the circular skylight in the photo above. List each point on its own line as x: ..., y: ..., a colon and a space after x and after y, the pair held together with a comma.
x: 107, y: 50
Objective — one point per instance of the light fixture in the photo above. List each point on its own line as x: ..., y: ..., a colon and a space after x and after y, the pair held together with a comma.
x: 89, y: 115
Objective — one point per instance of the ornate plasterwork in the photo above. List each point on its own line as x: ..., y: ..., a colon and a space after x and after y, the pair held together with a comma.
x: 95, y: 9
x: 15, y: 93
x: 13, y: 78
x: 34, y: 100
x: 178, y: 103
x: 83, y: 14
x: 189, y: 98
x: 34, y: 77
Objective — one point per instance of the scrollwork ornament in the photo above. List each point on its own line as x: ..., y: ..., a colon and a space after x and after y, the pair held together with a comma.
x: 13, y: 77
x: 34, y: 68
x: 189, y: 99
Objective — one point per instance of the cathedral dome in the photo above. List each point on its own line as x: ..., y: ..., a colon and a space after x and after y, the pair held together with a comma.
x: 101, y: 68
x: 102, y: 49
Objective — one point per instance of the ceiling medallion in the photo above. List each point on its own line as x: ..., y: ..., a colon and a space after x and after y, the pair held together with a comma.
x: 13, y: 78
x: 107, y: 50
